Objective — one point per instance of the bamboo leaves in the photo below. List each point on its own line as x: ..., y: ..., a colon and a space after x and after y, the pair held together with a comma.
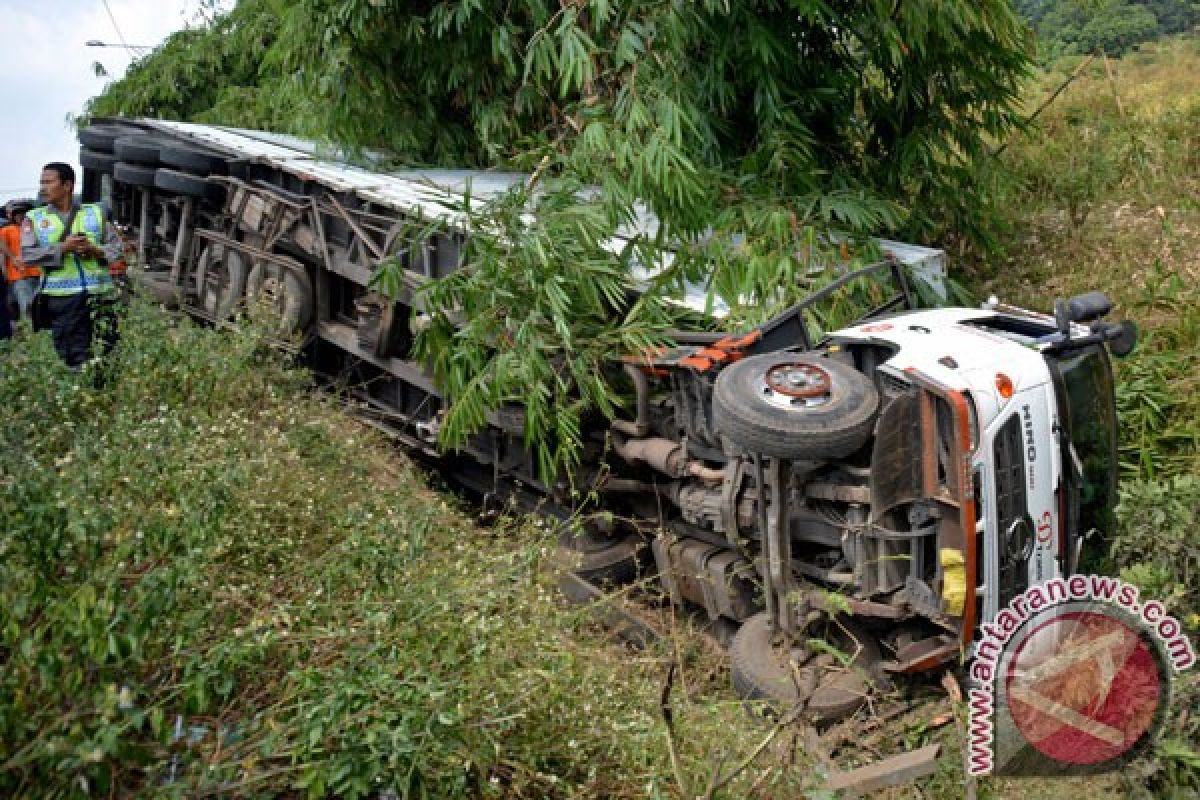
x: 535, y: 318
x: 750, y: 130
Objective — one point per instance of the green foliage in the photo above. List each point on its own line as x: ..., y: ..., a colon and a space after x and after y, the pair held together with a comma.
x: 530, y: 322
x: 212, y: 73
x: 1156, y: 521
x: 683, y: 106
x: 214, y: 584
x: 1109, y: 26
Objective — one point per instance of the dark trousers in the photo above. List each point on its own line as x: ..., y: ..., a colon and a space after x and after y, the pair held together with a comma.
x: 76, y: 320
x: 5, y: 321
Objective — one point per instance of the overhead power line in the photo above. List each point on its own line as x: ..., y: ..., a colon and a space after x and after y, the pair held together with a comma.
x: 117, y: 28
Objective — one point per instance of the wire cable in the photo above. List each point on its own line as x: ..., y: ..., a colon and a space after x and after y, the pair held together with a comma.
x: 117, y: 28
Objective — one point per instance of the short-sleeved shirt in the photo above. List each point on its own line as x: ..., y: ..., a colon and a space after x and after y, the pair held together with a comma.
x: 15, y: 269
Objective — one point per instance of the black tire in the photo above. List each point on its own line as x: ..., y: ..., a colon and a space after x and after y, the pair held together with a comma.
x: 836, y: 428
x: 603, y: 562
x: 138, y: 149
x: 134, y: 174
x: 176, y: 182
x: 220, y: 280
x: 194, y: 160
x: 100, y: 162
x: 761, y: 671
x: 101, y: 138
x: 287, y: 291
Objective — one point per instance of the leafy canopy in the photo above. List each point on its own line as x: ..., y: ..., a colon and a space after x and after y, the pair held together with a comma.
x: 1110, y: 26
x: 749, y: 129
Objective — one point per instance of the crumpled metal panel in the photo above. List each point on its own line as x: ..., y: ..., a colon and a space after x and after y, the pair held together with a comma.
x: 896, y: 477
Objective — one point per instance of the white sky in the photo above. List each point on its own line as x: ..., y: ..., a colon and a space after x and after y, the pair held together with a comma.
x: 46, y: 72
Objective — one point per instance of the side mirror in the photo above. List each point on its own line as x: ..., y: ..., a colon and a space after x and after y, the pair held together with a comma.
x: 1125, y: 340
x: 1089, y: 306
x: 1062, y: 318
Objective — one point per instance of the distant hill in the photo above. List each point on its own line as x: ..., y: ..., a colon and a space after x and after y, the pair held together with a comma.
x: 1111, y: 26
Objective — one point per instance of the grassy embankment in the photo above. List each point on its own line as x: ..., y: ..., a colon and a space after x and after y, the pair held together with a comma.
x: 214, y: 583
x: 202, y: 541
x: 1105, y: 194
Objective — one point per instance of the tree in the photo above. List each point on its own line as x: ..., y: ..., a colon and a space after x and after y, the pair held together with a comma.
x: 1118, y: 27
x: 751, y: 130
x: 1111, y: 26
x: 1174, y: 16
x: 213, y: 73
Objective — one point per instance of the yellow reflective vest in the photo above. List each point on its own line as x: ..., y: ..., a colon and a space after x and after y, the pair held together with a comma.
x: 76, y: 274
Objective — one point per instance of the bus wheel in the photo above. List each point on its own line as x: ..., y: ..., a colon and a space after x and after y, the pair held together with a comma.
x: 220, y: 280
x: 602, y: 561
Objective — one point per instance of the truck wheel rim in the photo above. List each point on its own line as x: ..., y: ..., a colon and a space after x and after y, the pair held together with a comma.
x: 797, y: 385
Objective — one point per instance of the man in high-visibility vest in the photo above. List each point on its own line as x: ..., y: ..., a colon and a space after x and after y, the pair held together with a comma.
x: 72, y: 244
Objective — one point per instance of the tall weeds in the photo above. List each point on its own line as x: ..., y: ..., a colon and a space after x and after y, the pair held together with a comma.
x: 211, y: 584
x: 1104, y: 193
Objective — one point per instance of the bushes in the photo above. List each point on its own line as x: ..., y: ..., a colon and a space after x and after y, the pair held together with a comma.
x: 1113, y: 26
x: 1158, y: 520
x: 1156, y: 543
x: 211, y: 584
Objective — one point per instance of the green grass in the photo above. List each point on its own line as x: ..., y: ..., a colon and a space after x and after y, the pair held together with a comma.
x: 1124, y: 153
x: 212, y: 582
x: 1104, y: 193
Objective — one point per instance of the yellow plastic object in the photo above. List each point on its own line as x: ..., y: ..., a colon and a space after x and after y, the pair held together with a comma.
x: 954, y: 580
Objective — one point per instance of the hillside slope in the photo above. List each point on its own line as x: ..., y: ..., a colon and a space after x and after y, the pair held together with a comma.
x: 1104, y: 193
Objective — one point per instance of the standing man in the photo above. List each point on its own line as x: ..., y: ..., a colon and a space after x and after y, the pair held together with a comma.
x: 22, y: 280
x: 72, y: 245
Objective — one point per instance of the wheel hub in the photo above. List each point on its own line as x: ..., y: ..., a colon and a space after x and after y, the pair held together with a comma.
x: 797, y: 385
x: 274, y: 292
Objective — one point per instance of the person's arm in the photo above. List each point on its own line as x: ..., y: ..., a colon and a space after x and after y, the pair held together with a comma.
x: 34, y: 254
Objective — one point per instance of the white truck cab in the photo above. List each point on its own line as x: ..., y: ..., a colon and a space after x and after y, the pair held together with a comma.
x: 1043, y: 434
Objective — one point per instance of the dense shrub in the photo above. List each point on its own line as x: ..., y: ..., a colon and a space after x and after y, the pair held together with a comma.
x: 210, y: 583
x: 1110, y: 26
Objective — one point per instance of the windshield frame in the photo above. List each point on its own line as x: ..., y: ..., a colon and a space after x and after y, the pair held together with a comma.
x: 1087, y: 433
